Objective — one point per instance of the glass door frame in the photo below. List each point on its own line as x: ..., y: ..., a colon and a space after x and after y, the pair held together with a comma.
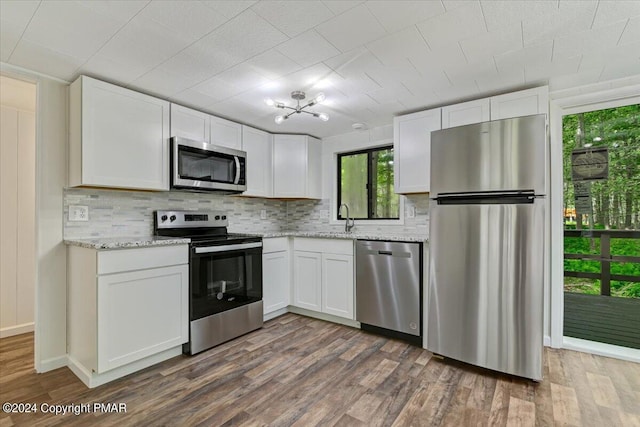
x: 602, y: 96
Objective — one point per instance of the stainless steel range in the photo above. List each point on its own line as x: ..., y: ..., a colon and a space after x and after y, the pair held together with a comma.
x: 225, y: 277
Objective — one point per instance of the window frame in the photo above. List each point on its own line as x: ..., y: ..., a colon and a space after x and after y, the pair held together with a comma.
x: 369, y: 152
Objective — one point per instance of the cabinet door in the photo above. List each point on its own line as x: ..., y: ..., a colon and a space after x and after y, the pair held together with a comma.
x: 314, y: 168
x: 124, y: 137
x: 141, y: 313
x: 275, y: 285
x: 337, y: 285
x: 412, y: 150
x: 188, y: 123
x: 307, y: 286
x: 522, y: 103
x: 466, y: 113
x: 225, y: 133
x: 258, y: 146
x: 289, y: 166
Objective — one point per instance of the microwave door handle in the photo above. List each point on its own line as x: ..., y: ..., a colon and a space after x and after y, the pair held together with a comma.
x: 237, y: 178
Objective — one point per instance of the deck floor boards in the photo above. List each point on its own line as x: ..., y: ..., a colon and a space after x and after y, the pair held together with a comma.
x: 610, y: 320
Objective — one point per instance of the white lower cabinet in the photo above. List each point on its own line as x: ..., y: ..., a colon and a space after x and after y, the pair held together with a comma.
x: 337, y: 285
x: 276, y: 273
x: 323, y: 276
x: 307, y: 280
x: 125, y: 307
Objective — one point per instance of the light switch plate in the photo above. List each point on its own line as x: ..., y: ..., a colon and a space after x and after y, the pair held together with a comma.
x: 411, y: 212
x: 324, y: 213
x: 263, y: 214
x: 78, y: 213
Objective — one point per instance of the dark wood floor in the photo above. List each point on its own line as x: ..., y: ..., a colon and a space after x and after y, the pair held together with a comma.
x: 611, y: 320
x: 298, y: 371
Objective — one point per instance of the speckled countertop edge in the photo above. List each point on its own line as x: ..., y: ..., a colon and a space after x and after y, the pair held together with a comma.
x: 135, y: 242
x: 126, y: 242
x: 352, y: 236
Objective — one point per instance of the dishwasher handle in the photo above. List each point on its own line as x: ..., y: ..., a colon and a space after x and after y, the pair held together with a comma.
x: 395, y: 254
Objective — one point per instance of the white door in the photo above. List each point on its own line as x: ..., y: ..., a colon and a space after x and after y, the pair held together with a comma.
x: 258, y: 145
x: 412, y: 150
x: 225, y: 133
x: 141, y: 313
x: 307, y: 286
x: 337, y: 285
x: 466, y: 113
x: 124, y: 138
x: 275, y: 281
x: 188, y: 123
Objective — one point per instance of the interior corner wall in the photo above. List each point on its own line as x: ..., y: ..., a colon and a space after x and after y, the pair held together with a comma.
x: 51, y: 178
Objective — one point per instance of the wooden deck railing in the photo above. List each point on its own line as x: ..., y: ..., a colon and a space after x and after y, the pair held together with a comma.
x: 604, y: 257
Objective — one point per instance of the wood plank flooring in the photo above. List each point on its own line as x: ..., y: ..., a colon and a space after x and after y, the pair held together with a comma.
x: 299, y: 371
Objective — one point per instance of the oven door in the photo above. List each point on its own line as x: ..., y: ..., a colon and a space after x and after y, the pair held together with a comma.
x: 224, y: 277
x: 201, y: 166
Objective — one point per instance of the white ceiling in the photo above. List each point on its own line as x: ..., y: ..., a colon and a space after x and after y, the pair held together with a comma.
x: 372, y: 59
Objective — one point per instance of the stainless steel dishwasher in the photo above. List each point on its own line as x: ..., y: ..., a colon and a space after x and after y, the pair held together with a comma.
x: 389, y: 288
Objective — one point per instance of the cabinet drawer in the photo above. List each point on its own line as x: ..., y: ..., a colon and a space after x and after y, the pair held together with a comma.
x: 329, y: 246
x: 275, y: 244
x: 119, y: 260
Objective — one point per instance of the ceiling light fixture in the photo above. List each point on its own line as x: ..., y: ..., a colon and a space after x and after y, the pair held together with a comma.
x: 298, y: 95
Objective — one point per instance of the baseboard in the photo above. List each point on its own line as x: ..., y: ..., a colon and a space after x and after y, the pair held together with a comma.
x: 601, y: 349
x: 10, y: 331
x: 92, y: 379
x: 275, y: 314
x: 323, y: 316
x: 52, y: 364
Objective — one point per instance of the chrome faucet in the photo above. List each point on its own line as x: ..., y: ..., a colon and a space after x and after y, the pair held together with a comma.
x: 347, y: 226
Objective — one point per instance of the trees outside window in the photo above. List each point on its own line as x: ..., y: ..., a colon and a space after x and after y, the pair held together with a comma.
x: 365, y: 184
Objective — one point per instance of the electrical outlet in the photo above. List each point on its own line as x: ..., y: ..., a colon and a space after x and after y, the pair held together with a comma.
x: 78, y: 213
x: 411, y: 212
x: 263, y: 214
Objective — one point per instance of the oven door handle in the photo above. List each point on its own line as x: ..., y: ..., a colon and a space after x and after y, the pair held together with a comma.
x: 227, y: 248
x: 236, y: 180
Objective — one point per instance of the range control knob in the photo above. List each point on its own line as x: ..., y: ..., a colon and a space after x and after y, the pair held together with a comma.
x: 217, y: 217
x: 224, y: 217
x: 172, y: 218
x: 163, y: 218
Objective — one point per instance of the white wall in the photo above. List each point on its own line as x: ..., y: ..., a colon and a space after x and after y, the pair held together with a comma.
x: 51, y: 177
x: 17, y: 206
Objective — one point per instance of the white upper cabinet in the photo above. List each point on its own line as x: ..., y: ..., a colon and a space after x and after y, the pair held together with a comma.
x: 259, y: 148
x: 296, y: 167
x: 466, y: 113
x: 188, y: 123
x: 521, y: 103
x: 199, y: 126
x: 117, y: 137
x: 225, y: 133
x: 412, y: 150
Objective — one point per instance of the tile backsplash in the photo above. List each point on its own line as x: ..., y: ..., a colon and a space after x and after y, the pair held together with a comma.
x: 114, y: 213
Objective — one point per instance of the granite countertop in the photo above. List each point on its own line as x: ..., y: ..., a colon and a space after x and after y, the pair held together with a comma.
x: 353, y: 235
x: 143, y: 241
x: 126, y: 242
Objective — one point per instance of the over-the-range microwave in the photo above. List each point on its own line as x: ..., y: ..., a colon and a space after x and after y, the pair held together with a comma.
x: 200, y: 166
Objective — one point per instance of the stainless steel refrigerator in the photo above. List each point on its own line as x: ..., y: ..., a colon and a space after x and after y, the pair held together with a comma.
x: 487, y: 237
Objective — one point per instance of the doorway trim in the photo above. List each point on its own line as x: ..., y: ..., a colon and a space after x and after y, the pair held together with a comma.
x: 589, y: 98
